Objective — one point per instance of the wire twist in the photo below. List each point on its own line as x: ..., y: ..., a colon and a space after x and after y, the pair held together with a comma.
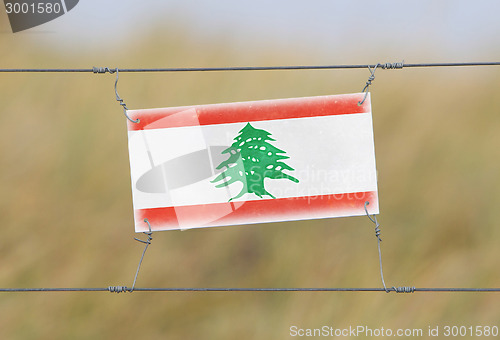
x: 147, y: 243
x: 122, y: 289
x: 377, y: 234
x: 117, y: 289
x: 102, y: 70
x: 120, y: 100
x: 368, y: 83
x: 379, y: 239
x: 392, y: 66
x: 404, y: 289
x: 374, y: 220
x: 385, y: 66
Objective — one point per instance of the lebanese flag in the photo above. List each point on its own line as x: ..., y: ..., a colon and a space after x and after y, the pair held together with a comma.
x: 252, y: 162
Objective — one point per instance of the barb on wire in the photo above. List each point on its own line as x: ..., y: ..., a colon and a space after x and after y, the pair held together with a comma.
x: 118, y: 289
x: 103, y: 70
x: 392, y: 66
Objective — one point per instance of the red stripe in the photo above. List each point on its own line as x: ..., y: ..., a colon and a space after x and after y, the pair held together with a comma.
x: 260, y: 211
x: 248, y: 111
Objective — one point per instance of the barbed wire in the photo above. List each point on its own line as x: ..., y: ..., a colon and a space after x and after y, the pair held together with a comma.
x: 398, y: 65
x: 120, y: 289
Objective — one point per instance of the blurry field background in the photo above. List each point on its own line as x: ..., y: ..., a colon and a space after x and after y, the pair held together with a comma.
x: 66, y: 206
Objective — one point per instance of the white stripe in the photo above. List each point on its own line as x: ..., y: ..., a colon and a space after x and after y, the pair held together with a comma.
x: 330, y: 155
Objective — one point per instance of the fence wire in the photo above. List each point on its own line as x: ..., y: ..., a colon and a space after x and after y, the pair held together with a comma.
x: 397, y: 65
x: 123, y: 289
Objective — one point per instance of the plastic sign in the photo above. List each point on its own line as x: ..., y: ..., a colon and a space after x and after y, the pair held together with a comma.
x: 252, y: 162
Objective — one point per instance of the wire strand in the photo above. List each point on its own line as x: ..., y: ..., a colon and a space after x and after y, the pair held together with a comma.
x: 173, y: 289
x: 246, y: 68
x: 119, y: 289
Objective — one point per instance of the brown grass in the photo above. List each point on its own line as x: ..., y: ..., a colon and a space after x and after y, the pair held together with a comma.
x: 66, y: 210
